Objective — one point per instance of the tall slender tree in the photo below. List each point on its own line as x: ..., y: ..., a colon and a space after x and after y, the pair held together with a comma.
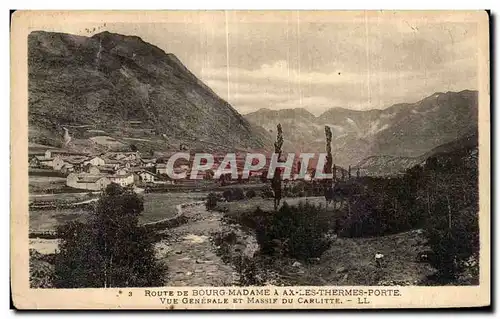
x: 327, y: 183
x: 276, y: 181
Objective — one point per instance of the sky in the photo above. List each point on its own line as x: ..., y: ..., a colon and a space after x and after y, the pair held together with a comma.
x: 297, y: 59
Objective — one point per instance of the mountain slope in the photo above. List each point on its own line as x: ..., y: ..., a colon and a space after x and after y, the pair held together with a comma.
x: 402, y: 130
x: 104, y: 82
x: 299, y: 126
x: 392, y: 165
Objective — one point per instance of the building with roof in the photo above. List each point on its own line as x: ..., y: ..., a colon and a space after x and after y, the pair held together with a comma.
x: 122, y: 180
x: 51, y: 153
x: 67, y: 168
x: 150, y: 162
x: 97, y: 170
x: 95, y: 161
x: 87, y: 181
x: 146, y: 176
x: 39, y: 161
x: 123, y: 156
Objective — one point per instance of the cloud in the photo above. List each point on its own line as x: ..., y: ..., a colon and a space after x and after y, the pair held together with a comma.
x: 291, y: 59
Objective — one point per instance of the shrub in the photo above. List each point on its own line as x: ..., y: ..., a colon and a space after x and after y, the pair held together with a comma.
x: 228, y: 195
x: 267, y: 192
x: 211, y: 202
x: 247, y: 270
x: 297, y: 231
x: 250, y: 193
x: 238, y: 194
x: 224, y: 241
x: 453, y: 247
x: 98, y: 253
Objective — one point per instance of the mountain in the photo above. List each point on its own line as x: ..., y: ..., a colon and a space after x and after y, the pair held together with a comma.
x: 111, y: 90
x: 402, y: 130
x: 385, y: 165
x: 299, y: 125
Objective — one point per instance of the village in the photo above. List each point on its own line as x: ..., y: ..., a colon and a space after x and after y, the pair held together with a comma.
x: 94, y: 172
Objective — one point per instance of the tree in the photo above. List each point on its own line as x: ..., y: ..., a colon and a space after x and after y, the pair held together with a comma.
x: 211, y: 202
x: 328, y: 189
x: 251, y: 193
x: 111, y: 249
x: 453, y: 223
x: 263, y: 177
x: 276, y: 182
x: 297, y: 231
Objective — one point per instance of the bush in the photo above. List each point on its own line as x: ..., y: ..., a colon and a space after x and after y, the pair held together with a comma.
x: 98, y: 253
x: 297, y: 231
x: 248, y: 271
x: 233, y: 194
x: 267, y: 192
x: 211, y: 202
x: 228, y: 195
x: 238, y: 194
x: 251, y: 193
x: 453, y: 247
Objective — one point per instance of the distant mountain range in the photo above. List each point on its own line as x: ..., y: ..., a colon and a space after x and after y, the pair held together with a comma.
x: 402, y: 130
x: 119, y: 87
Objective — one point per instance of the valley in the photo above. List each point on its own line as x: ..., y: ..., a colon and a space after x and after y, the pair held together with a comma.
x: 108, y: 112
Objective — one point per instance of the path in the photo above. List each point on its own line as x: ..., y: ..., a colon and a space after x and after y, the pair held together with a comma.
x: 189, y: 254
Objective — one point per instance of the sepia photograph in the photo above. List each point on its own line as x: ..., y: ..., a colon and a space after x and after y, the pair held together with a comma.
x: 262, y: 149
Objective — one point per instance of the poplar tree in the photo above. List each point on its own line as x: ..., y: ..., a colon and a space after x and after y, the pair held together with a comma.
x: 276, y: 181
x: 328, y: 190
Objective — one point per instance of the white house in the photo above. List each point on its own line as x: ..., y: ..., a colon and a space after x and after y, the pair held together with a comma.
x: 122, y: 180
x: 87, y: 181
x: 58, y: 162
x: 95, y: 161
x: 123, y: 156
x: 148, y: 162
x: 51, y: 153
x: 67, y: 168
x: 146, y: 176
x: 122, y: 171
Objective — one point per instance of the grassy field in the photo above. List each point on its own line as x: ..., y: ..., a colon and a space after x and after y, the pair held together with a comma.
x: 156, y: 207
x: 61, y: 198
x: 45, y: 184
x: 267, y: 204
x: 350, y: 261
x: 45, y: 180
x: 47, y: 220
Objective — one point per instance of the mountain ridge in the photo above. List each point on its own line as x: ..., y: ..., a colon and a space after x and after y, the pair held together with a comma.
x: 108, y: 80
x: 386, y: 165
x: 403, y: 129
